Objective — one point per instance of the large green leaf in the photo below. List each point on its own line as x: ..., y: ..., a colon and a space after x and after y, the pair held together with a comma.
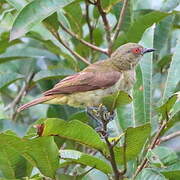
x: 8, y: 78
x: 43, y: 153
x: 33, y: 13
x: 12, y: 163
x: 173, y: 74
x: 72, y: 156
x: 138, y: 99
x: 135, y: 139
x: 73, y: 130
x: 146, y: 68
x: 161, y: 35
x: 137, y: 29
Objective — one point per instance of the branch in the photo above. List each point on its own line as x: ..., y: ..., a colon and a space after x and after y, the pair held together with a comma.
x: 21, y: 93
x: 105, y: 120
x: 56, y: 34
x: 151, y: 146
x: 120, y: 21
x: 81, y: 40
x: 170, y: 136
x: 106, y: 25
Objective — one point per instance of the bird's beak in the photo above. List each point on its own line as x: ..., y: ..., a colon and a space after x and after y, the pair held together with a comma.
x: 147, y: 50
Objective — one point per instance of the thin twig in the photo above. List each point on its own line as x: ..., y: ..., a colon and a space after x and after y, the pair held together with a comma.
x: 170, y: 136
x: 21, y: 93
x: 81, y: 40
x: 120, y: 21
x: 106, y: 25
x: 151, y: 146
x: 56, y: 34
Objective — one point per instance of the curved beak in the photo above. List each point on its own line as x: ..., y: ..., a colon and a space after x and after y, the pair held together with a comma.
x: 147, y: 50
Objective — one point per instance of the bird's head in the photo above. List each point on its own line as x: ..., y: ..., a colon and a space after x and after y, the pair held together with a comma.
x: 128, y: 55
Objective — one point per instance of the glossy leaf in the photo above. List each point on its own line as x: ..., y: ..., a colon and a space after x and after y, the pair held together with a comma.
x: 12, y: 162
x: 147, y: 68
x: 72, y: 156
x: 73, y: 130
x: 135, y: 139
x: 173, y: 74
x: 167, y: 106
x: 43, y: 153
x: 33, y: 13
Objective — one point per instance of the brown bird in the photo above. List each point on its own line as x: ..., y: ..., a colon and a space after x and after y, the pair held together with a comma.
x: 88, y: 87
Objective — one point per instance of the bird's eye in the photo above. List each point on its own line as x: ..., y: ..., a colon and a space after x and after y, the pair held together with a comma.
x: 136, y: 51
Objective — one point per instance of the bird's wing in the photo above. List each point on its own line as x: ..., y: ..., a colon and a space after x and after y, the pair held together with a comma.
x: 85, y: 81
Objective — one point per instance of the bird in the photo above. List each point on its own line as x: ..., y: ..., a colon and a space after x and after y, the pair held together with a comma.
x: 88, y: 87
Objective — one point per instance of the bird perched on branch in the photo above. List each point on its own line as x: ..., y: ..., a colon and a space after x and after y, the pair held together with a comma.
x: 88, y: 87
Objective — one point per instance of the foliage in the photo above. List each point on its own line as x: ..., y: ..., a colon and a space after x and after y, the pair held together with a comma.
x: 43, y: 41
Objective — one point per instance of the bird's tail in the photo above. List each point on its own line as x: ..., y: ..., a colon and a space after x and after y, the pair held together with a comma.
x: 34, y: 102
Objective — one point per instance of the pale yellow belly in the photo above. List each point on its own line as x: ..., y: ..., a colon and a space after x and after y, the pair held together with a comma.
x: 93, y: 98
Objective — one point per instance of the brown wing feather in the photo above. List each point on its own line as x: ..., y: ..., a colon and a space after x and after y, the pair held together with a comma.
x: 85, y: 81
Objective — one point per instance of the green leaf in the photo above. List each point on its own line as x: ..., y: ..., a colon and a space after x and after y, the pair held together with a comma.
x: 162, y: 156
x: 172, y: 172
x: 117, y: 99
x: 12, y: 163
x: 72, y: 156
x: 73, y: 130
x: 168, y: 105
x: 137, y: 29
x: 81, y: 116
x: 34, y: 13
x: 8, y: 78
x: 135, y: 139
x: 171, y: 122
x: 147, y: 68
x: 75, y: 21
x: 144, y: 22
x: 138, y: 98
x: 52, y: 74
x: 161, y: 34
x: 150, y: 174
x: 44, y: 153
x: 173, y: 74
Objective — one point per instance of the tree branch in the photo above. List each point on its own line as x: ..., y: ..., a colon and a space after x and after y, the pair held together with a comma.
x: 105, y: 120
x: 56, y: 34
x: 170, y: 136
x: 106, y: 25
x: 120, y: 21
x: 81, y: 40
x: 21, y: 93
